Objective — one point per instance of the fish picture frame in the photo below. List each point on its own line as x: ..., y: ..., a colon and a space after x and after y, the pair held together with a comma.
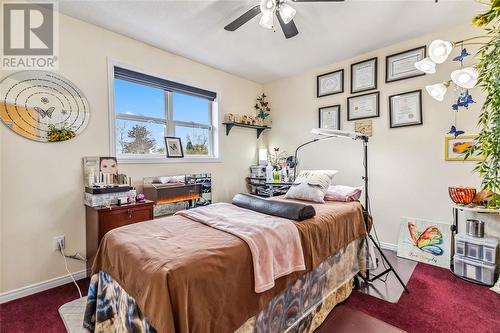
x: 456, y: 146
x: 425, y: 241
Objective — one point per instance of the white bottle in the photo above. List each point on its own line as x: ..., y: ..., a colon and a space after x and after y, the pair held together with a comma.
x: 269, y: 172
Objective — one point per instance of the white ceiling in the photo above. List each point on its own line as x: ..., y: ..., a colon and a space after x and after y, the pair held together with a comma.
x: 328, y: 32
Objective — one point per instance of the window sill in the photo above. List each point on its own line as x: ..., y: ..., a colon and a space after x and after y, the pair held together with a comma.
x: 133, y: 160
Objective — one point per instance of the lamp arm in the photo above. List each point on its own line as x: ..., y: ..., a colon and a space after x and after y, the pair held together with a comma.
x: 305, y: 144
x: 295, y: 156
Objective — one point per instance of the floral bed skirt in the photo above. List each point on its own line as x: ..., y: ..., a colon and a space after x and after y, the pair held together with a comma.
x: 302, y: 307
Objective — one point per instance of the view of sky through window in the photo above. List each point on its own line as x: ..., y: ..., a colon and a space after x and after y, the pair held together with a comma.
x: 146, y: 136
x: 140, y: 100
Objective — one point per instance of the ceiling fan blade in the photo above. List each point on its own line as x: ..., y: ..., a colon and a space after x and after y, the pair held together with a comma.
x: 318, y: 0
x: 290, y: 30
x: 250, y: 14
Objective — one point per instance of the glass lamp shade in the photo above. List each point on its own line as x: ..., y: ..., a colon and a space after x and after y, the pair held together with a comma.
x: 287, y: 12
x: 267, y: 6
x: 439, y: 50
x: 465, y: 77
x: 426, y: 65
x: 267, y: 21
x: 437, y: 91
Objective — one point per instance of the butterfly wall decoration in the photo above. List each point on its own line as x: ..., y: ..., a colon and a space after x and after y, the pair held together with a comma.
x: 425, y: 241
x: 462, y: 55
x: 44, y: 113
x: 455, y: 132
x: 428, y: 240
x: 463, y: 100
x: 43, y: 106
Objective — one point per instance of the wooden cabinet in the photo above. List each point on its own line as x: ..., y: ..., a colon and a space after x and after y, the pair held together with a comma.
x: 101, y: 220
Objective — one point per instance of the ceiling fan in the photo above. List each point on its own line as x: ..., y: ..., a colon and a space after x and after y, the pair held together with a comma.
x: 284, y: 12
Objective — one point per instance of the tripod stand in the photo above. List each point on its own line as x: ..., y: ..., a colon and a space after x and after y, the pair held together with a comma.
x: 331, y: 134
x: 367, y: 279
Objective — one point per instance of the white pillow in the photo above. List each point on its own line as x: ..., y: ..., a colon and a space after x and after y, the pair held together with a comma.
x: 343, y: 193
x: 312, y: 187
x: 329, y: 173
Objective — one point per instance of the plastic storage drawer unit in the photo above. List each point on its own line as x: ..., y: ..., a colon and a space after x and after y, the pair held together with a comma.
x: 477, y: 248
x: 474, y: 269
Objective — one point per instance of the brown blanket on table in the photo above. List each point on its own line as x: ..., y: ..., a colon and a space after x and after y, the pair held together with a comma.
x: 189, y: 277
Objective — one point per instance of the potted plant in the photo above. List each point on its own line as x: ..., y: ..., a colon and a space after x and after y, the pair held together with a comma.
x: 488, y: 141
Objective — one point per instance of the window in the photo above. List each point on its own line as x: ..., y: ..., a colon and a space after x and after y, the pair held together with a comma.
x: 146, y: 109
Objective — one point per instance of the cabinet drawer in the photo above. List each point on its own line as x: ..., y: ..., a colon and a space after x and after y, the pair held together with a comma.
x: 113, y: 219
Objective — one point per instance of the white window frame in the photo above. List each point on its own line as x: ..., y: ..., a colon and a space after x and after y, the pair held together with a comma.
x: 214, y: 139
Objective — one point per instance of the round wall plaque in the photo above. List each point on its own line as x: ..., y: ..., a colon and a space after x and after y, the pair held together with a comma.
x: 43, y: 106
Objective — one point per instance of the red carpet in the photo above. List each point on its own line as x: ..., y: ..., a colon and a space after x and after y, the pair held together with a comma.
x: 438, y: 302
x: 39, y: 312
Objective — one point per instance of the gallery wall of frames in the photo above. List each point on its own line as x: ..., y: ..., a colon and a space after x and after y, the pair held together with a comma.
x: 413, y: 135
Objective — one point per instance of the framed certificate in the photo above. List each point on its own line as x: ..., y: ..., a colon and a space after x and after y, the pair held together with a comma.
x: 330, y: 83
x: 401, y: 65
x: 364, y: 75
x: 405, y: 109
x: 329, y: 117
x: 363, y: 106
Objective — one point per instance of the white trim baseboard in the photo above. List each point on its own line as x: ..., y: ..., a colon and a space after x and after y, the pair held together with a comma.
x: 41, y: 286
x: 389, y: 246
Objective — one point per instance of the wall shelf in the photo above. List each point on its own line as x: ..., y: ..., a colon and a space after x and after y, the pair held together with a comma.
x: 230, y: 125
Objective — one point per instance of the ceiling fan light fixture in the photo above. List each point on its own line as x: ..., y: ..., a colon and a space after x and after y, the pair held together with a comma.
x: 287, y: 12
x: 465, y: 77
x: 267, y: 21
x: 438, y: 90
x: 267, y: 6
x: 426, y: 65
x: 439, y: 50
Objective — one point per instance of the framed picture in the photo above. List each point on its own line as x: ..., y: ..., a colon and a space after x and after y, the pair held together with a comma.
x: 174, y: 147
x: 330, y: 83
x: 405, y: 109
x: 364, y: 127
x: 329, y: 117
x: 455, y: 147
x: 401, y: 65
x: 364, y: 75
x: 363, y: 106
x: 425, y: 241
x: 108, y: 165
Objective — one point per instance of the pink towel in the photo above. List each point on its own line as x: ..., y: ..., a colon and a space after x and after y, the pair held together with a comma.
x: 273, y: 241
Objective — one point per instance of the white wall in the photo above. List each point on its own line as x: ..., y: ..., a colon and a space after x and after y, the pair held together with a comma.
x: 408, y: 174
x: 41, y: 184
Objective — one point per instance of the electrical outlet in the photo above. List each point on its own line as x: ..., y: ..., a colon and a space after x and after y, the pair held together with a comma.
x: 57, y: 240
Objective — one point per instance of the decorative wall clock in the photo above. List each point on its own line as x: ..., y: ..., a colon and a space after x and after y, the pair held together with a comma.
x: 43, y: 106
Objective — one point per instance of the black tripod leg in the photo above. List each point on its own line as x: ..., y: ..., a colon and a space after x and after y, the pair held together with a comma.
x: 356, y: 282
x: 389, y: 264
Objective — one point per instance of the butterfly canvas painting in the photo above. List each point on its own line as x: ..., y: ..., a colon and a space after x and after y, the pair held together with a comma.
x: 425, y: 241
